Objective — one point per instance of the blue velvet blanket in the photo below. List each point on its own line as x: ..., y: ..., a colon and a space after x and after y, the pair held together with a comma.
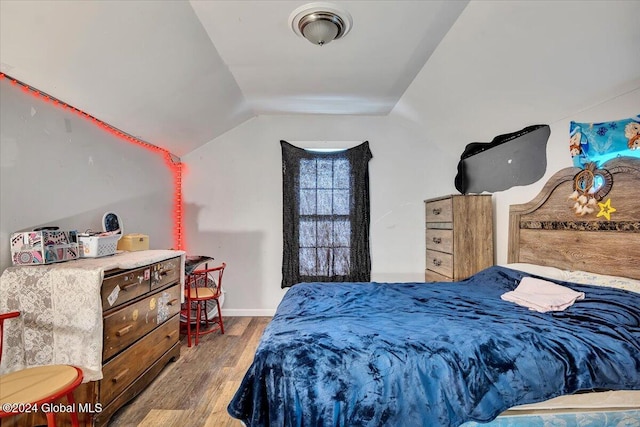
x: 440, y: 354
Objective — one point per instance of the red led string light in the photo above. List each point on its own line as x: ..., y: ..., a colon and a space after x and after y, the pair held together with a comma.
x: 173, y: 163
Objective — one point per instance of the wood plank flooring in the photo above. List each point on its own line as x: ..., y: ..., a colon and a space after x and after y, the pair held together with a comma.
x: 196, y: 389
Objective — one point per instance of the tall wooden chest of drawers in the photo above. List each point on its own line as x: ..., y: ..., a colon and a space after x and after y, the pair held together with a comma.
x: 459, y: 236
x: 141, y: 328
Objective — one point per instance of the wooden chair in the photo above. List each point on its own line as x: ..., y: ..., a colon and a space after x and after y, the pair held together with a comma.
x: 33, y: 388
x: 202, y: 286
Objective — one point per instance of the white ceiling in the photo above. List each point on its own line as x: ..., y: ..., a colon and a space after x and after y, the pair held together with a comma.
x: 178, y: 74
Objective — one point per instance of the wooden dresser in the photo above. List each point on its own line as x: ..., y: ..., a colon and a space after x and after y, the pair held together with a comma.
x: 141, y: 327
x: 459, y: 236
x: 141, y: 309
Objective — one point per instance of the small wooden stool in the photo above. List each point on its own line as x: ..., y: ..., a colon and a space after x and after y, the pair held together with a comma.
x: 32, y: 389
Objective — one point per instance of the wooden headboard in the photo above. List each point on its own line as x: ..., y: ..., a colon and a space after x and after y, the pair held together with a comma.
x: 546, y: 231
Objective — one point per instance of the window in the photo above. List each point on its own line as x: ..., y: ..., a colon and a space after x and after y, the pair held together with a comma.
x: 325, y: 215
x: 325, y: 226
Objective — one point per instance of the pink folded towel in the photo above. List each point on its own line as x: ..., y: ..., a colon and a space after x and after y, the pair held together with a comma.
x: 541, y: 295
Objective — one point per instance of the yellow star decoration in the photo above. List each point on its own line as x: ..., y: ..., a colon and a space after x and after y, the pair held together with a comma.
x: 606, y: 209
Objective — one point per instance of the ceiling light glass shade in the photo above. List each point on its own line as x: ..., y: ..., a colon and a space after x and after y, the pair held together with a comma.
x: 321, y: 28
x: 320, y: 23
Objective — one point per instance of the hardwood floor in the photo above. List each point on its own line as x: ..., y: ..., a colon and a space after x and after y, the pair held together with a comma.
x: 196, y: 389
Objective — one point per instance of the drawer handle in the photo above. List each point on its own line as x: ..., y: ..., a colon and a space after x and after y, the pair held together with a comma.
x: 437, y: 262
x: 129, y: 286
x: 436, y: 211
x: 124, y: 330
x: 171, y: 335
x: 437, y: 240
x: 173, y: 301
x: 120, y: 376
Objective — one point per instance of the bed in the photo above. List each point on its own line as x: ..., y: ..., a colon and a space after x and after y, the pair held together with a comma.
x: 450, y: 354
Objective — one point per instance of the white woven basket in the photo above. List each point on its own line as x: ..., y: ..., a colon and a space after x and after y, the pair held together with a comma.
x: 98, y: 246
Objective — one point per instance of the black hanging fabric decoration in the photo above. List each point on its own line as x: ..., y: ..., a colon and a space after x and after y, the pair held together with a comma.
x: 326, y: 215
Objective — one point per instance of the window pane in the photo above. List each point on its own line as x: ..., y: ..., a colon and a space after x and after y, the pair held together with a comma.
x: 307, y: 202
x: 341, y: 202
x: 325, y: 173
x: 341, y: 261
x: 307, y: 233
x: 324, y: 262
x: 342, y: 233
x: 307, y: 173
x: 307, y: 261
x: 341, y: 173
x: 325, y: 229
x: 325, y: 202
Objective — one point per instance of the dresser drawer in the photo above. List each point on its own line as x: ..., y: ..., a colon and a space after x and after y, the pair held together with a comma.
x: 165, y: 272
x: 120, y: 288
x: 432, y: 276
x: 440, y: 240
x: 458, y: 236
x: 440, y: 262
x: 125, y: 326
x: 122, y: 370
x: 439, y: 211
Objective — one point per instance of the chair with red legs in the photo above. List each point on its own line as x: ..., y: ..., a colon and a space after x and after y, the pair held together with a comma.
x: 202, y: 286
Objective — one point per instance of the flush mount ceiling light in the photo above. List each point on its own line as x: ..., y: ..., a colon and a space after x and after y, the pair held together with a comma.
x: 320, y: 23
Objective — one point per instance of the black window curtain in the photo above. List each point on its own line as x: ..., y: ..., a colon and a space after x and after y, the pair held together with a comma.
x: 326, y: 215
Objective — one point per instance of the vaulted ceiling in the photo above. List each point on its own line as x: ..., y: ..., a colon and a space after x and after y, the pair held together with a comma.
x: 178, y: 74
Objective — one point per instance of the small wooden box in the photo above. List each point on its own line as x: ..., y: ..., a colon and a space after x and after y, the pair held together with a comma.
x: 133, y: 242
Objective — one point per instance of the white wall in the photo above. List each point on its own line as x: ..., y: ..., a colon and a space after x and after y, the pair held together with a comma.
x: 57, y: 168
x: 233, y: 200
x: 233, y: 195
x: 503, y: 66
x: 507, y: 65
x: 558, y: 157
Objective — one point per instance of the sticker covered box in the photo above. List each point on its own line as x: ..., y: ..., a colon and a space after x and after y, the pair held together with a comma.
x: 43, y: 247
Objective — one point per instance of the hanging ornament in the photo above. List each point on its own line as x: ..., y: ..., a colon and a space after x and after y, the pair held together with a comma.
x: 590, y: 186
